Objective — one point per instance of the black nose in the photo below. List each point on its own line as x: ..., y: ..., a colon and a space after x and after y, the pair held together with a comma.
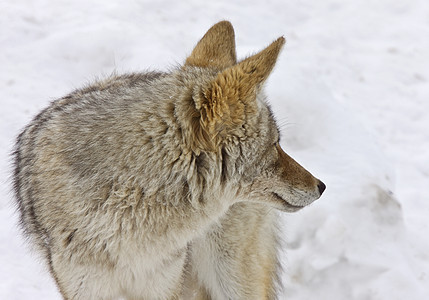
x: 321, y: 187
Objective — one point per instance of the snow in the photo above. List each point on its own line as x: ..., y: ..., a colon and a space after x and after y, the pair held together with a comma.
x: 350, y: 91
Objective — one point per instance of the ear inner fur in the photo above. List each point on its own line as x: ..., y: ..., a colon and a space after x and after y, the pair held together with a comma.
x: 216, y: 48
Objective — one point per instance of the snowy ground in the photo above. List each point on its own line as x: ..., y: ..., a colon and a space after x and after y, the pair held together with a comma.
x: 350, y: 90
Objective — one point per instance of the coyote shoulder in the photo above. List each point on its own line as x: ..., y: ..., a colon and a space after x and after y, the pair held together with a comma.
x: 161, y: 185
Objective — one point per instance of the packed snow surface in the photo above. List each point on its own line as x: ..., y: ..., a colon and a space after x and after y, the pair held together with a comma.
x: 350, y: 92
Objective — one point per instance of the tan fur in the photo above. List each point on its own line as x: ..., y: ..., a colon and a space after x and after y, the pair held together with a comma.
x: 161, y: 185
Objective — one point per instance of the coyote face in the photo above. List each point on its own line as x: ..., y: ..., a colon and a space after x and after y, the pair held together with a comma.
x: 273, y: 177
x: 236, y: 119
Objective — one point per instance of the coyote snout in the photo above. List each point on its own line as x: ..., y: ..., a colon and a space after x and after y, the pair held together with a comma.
x: 289, y: 186
x: 302, y: 188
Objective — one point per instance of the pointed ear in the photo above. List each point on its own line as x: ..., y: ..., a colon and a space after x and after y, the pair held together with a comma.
x: 231, y: 97
x: 253, y: 71
x: 215, y: 49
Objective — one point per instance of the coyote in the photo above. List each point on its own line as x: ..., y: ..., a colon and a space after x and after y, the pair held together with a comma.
x: 161, y: 185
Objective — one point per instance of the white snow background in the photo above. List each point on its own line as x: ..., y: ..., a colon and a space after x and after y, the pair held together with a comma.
x: 350, y: 91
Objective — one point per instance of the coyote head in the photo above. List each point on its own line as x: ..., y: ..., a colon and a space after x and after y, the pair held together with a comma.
x: 234, y: 120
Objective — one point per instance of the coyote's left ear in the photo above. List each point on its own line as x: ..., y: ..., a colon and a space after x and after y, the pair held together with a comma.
x: 215, y: 49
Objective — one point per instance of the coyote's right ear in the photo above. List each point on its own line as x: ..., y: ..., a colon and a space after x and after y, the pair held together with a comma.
x: 226, y: 102
x: 215, y: 49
